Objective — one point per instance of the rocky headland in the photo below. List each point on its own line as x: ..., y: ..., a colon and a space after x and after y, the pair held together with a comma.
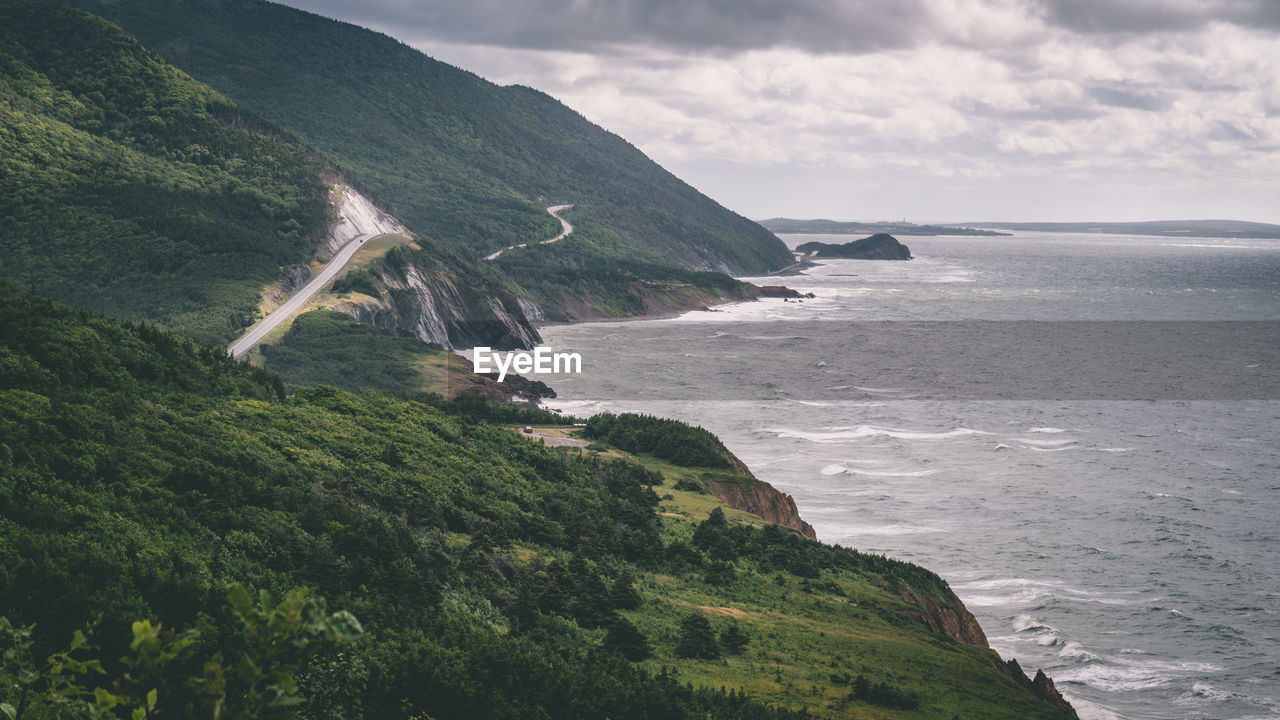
x: 880, y: 246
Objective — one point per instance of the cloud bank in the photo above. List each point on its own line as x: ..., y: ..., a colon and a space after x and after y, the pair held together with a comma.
x: 932, y: 109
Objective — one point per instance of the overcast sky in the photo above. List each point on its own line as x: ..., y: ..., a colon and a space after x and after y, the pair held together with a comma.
x: 932, y: 110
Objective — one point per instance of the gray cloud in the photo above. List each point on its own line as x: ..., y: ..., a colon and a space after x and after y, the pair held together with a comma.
x: 1143, y: 16
x: 1050, y: 113
x: 1128, y: 97
x: 846, y: 26
x: 1133, y: 108
x: 730, y: 26
x: 1235, y: 132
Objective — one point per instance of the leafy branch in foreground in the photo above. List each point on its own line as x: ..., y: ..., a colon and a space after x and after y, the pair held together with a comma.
x: 257, y: 681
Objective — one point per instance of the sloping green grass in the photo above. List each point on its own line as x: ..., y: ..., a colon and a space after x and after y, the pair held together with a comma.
x: 142, y: 473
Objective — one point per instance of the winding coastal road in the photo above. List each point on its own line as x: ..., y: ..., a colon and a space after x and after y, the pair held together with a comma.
x: 326, y: 275
x: 240, y: 347
x: 566, y: 228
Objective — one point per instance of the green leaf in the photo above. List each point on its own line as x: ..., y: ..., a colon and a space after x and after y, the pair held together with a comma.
x: 105, y: 700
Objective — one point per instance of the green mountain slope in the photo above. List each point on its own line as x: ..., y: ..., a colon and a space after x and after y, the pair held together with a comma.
x: 458, y: 158
x: 132, y: 189
x: 142, y: 473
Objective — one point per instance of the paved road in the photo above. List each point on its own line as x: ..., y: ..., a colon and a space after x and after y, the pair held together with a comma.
x: 300, y: 298
x: 566, y: 228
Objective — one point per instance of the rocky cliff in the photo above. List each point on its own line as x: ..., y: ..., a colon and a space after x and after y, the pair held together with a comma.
x: 354, y: 215
x: 1042, y: 686
x: 421, y: 298
x: 761, y: 498
x: 423, y: 293
x: 950, y: 618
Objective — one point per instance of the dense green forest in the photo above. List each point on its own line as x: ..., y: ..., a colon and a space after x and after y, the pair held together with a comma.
x: 132, y: 189
x: 144, y: 475
x: 668, y: 440
x: 328, y: 348
x: 458, y: 158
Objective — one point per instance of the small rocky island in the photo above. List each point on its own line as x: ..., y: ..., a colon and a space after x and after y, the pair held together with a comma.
x: 881, y: 246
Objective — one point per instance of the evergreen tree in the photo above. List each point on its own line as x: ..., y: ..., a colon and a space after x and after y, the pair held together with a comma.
x: 719, y: 572
x: 711, y: 529
x: 624, y: 595
x: 627, y: 640
x: 591, y: 605
x: 697, y: 639
x: 733, y: 640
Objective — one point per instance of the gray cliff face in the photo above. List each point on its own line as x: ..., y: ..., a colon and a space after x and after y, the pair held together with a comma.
x: 430, y: 304
x: 354, y: 215
x: 297, y: 276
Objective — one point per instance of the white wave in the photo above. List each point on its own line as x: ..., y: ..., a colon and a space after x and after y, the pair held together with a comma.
x: 834, y: 469
x: 1090, y: 710
x: 878, y: 473
x: 1050, y: 639
x: 1022, y: 623
x: 1049, y: 449
x: 1115, y: 449
x: 1075, y: 651
x: 1128, y: 675
x: 1222, y: 246
x: 1026, y: 592
x: 1057, y: 442
x: 857, y: 432
x: 1202, y: 692
x: 979, y: 600
x: 895, y: 529
x: 1049, y: 430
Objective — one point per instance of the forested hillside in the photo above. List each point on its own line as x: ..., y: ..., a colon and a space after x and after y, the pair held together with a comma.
x: 130, y: 188
x: 143, y: 474
x: 458, y: 158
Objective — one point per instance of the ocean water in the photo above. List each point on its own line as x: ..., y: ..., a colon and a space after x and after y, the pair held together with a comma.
x: 1081, y: 433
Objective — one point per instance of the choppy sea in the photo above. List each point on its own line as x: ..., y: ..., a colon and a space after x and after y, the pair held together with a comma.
x: 1081, y: 433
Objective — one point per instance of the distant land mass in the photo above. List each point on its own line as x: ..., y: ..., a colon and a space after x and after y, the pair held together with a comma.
x: 1165, y: 228
x: 837, y: 227
x: 880, y: 246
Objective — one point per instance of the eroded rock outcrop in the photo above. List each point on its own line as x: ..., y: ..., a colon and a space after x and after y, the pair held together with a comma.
x: 952, y: 618
x: 761, y: 498
x: 1042, y: 686
x: 433, y: 305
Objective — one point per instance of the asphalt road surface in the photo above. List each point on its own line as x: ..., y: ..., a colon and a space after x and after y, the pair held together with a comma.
x: 564, y: 224
x: 300, y: 298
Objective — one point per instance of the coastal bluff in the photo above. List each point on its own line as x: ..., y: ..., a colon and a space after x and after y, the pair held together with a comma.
x: 762, y: 499
x: 881, y: 246
x: 943, y: 613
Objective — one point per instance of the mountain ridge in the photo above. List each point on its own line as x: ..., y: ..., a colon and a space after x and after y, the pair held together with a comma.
x: 454, y: 156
